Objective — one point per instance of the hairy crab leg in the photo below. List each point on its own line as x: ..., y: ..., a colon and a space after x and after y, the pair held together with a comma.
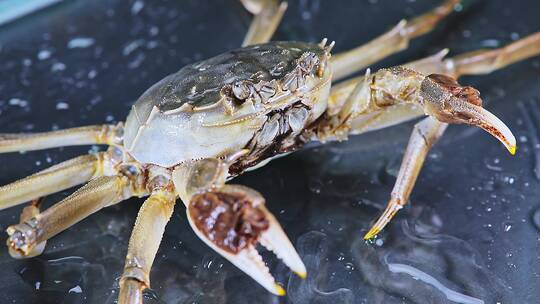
x: 143, y: 245
x: 393, y: 41
x: 268, y: 15
x: 54, y: 179
x: 232, y: 220
x: 439, y: 96
x: 471, y: 63
x: 480, y: 62
x: 101, y: 134
x: 97, y: 194
x: 423, y: 137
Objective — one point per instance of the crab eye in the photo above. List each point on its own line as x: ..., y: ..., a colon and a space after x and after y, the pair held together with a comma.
x: 242, y: 89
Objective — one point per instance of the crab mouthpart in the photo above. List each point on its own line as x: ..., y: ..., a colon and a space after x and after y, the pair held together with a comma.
x: 232, y: 221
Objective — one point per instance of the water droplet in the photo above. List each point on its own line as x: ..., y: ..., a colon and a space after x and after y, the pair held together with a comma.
x: 58, y: 66
x: 44, y: 54
x: 137, y: 7
x: 76, y: 289
x: 507, y: 226
x: 18, y: 102
x: 61, y: 105
x: 536, y: 218
x: 514, y: 36
x: 80, y: 42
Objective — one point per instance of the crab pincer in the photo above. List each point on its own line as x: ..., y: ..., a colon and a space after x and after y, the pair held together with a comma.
x: 233, y: 220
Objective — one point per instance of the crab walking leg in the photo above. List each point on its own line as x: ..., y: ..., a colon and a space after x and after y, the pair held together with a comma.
x: 98, y: 193
x: 439, y: 96
x: 268, y: 15
x: 478, y: 62
x: 143, y: 245
x: 428, y: 131
x: 425, y: 134
x: 471, y: 63
x: 393, y: 41
x: 54, y: 179
x: 101, y: 134
x: 232, y: 220
x: 487, y: 61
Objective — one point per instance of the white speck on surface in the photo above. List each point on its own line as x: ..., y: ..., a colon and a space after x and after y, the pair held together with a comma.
x: 132, y: 46
x: 61, y: 105
x: 58, y: 66
x: 80, y: 42
x: 137, y: 7
x: 417, y: 274
x: 76, y: 289
x: 514, y: 36
x: 44, y: 55
x: 92, y: 74
x: 154, y: 30
x: 18, y: 102
x: 151, y: 44
x: 136, y: 62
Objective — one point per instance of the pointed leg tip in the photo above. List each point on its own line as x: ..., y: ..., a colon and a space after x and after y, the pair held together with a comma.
x: 279, y: 290
x: 371, y: 233
x: 302, y: 275
x: 512, y: 149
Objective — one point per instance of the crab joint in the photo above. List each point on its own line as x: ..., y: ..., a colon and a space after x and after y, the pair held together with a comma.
x: 22, y: 240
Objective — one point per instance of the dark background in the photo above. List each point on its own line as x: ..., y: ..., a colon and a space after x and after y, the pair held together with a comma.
x: 473, y: 227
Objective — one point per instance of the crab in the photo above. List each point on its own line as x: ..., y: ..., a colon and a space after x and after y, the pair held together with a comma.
x: 195, y: 130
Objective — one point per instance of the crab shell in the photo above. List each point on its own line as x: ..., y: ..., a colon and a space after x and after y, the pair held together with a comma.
x: 215, y: 107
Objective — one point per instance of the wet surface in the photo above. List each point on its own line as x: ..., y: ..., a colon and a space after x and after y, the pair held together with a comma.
x: 471, y: 234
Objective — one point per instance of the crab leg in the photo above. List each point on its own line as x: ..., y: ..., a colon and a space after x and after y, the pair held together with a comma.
x: 478, y: 62
x: 423, y: 137
x: 232, y: 220
x: 54, y: 179
x: 268, y: 15
x: 393, y: 41
x: 101, y: 134
x: 143, y: 245
x: 471, y: 63
x: 98, y: 193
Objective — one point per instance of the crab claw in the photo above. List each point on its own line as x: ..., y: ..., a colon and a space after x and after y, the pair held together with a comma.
x: 233, y: 220
x: 446, y: 100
